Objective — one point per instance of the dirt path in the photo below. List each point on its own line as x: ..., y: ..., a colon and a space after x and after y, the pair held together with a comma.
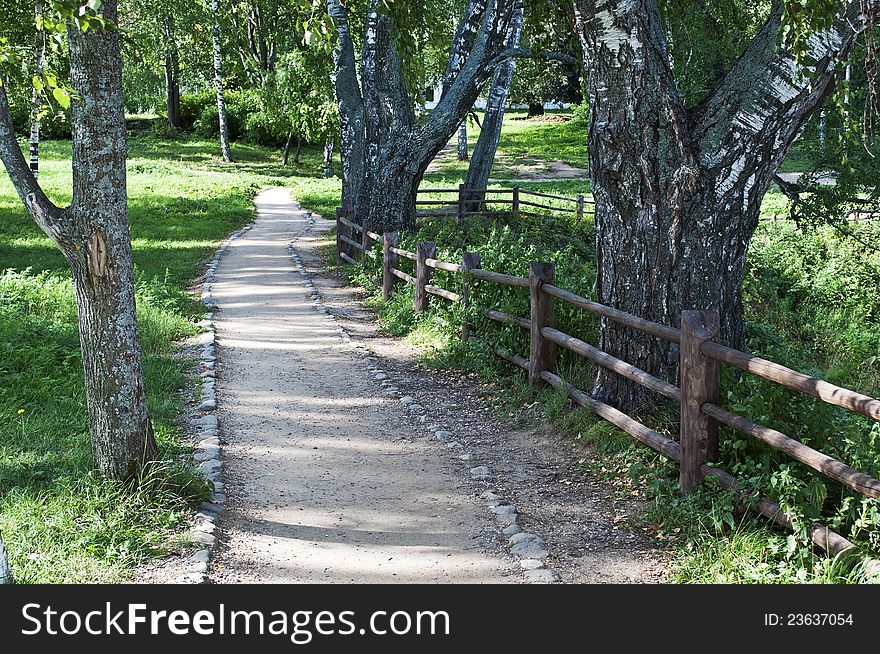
x: 331, y: 479
x: 321, y: 486
x: 513, y: 169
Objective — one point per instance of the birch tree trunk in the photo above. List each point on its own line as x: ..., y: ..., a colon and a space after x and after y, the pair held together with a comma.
x: 36, y: 102
x: 352, y: 146
x: 285, y: 154
x: 93, y: 234
x: 462, y: 141
x: 328, y: 157
x: 490, y: 133
x: 678, y: 193
x: 218, y: 81
x: 172, y: 72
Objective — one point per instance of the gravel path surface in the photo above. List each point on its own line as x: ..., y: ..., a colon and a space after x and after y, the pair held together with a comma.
x: 323, y: 482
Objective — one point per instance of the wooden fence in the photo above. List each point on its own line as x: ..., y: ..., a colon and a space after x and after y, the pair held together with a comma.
x: 700, y: 359
x: 463, y: 202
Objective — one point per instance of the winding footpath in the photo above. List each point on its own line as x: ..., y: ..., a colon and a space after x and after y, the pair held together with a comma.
x: 324, y: 480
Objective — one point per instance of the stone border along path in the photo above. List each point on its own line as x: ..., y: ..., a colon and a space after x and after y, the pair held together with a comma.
x: 530, y: 548
x: 209, y: 451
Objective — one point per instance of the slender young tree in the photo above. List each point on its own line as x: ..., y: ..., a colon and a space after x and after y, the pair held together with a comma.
x: 93, y: 235
x: 678, y: 191
x: 490, y: 132
x: 462, y: 141
x: 172, y: 70
x: 218, y: 81
x: 36, y: 101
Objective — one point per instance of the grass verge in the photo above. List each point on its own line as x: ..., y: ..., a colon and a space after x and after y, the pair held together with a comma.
x: 59, y: 521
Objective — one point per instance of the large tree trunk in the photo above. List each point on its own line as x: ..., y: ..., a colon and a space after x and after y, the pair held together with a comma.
x: 218, y: 81
x: 381, y: 139
x: 36, y: 101
x: 93, y: 234
x: 352, y: 147
x: 678, y: 194
x: 535, y: 109
x: 103, y: 279
x: 172, y: 72
x: 493, y: 119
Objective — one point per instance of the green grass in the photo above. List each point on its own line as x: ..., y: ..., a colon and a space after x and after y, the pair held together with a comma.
x: 60, y: 522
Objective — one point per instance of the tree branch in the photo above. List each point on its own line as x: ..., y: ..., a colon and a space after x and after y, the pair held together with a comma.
x: 766, y: 93
x: 463, y: 44
x: 48, y: 216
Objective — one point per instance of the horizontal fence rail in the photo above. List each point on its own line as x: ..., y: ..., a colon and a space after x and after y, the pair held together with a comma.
x: 697, y: 395
x: 463, y: 202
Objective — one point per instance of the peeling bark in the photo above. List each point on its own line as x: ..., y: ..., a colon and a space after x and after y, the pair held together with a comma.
x: 678, y: 193
x: 93, y: 234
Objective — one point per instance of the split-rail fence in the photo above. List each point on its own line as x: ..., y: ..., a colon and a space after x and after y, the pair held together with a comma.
x: 700, y: 359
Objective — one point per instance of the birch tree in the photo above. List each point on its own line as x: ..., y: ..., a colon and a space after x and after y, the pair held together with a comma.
x: 493, y: 118
x: 678, y: 190
x: 218, y: 82
x: 385, y: 150
x: 36, y: 100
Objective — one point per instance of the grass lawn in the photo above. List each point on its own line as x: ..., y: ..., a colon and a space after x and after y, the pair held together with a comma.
x: 61, y: 523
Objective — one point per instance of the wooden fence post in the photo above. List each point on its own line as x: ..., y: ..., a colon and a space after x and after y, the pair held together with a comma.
x: 515, y: 204
x: 461, y: 203
x: 541, y: 351
x: 389, y: 261
x: 699, y: 384
x: 580, y: 207
x: 423, y: 273
x: 340, y: 212
x: 469, y: 261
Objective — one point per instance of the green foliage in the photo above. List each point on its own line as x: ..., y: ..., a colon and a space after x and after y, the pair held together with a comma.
x: 240, y: 104
x: 192, y: 105
x: 705, y: 38
x: 299, y: 97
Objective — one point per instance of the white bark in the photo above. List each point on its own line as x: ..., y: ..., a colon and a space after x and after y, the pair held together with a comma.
x: 218, y: 81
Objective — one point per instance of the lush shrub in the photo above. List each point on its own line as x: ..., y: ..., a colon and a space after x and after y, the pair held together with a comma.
x: 581, y: 113
x: 260, y: 129
x: 193, y: 104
